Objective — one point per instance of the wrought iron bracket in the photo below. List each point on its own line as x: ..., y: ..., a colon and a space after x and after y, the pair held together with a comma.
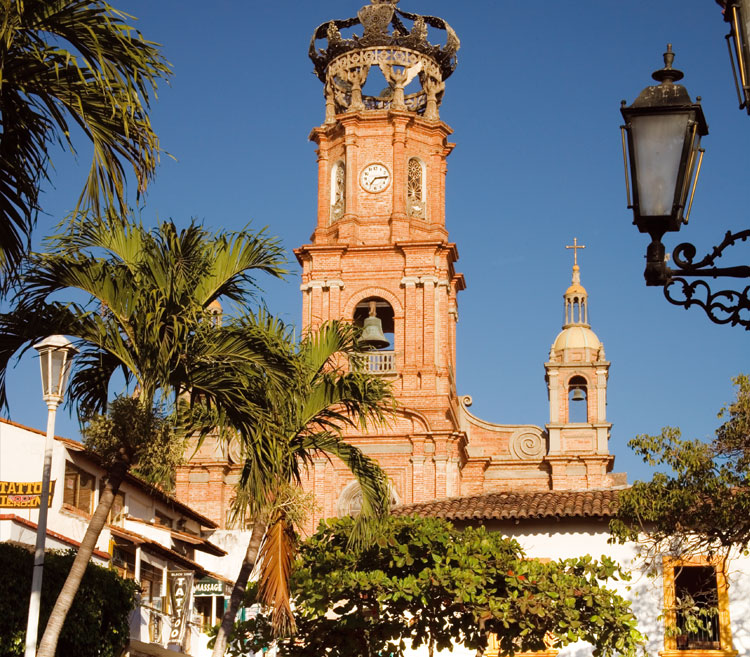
x: 722, y: 307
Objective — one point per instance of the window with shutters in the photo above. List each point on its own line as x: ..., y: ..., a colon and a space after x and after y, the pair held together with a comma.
x: 79, y: 488
x: 163, y: 519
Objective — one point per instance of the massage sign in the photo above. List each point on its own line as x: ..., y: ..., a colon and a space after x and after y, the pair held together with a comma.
x: 23, y: 494
x: 180, y: 588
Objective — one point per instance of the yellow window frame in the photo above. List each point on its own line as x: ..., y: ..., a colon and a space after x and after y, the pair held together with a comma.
x: 670, y: 565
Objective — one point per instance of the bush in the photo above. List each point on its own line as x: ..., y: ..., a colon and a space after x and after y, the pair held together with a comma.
x: 97, y: 625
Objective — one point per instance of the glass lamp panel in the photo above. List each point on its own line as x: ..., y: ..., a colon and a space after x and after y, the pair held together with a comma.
x: 45, y: 363
x: 658, y: 143
x: 57, y: 370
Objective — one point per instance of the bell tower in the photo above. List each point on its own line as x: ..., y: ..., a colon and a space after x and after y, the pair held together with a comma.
x: 576, y: 376
x: 380, y: 255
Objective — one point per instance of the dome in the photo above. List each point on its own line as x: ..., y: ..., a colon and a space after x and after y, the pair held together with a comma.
x: 576, y: 290
x: 576, y: 337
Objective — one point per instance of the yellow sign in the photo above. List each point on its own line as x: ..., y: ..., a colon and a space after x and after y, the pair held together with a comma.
x: 23, y: 494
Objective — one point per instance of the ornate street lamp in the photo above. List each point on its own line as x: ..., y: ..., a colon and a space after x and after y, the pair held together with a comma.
x: 663, y: 128
x: 55, y: 356
x: 737, y: 14
x: 661, y: 148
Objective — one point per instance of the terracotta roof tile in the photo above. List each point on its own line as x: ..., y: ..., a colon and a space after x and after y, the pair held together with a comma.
x: 511, y: 505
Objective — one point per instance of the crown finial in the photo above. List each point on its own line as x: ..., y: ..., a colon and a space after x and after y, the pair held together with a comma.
x: 397, y: 43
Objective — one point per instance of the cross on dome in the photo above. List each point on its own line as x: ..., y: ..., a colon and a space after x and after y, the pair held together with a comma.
x: 575, y: 248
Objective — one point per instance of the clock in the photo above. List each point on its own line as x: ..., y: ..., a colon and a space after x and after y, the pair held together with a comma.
x: 375, y: 178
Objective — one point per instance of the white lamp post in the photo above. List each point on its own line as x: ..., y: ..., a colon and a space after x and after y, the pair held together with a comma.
x: 55, y: 355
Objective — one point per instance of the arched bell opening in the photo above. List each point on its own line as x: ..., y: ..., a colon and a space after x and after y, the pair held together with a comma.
x: 376, y: 318
x: 578, y: 400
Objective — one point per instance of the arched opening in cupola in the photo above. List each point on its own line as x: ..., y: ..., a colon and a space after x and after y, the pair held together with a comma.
x: 578, y: 400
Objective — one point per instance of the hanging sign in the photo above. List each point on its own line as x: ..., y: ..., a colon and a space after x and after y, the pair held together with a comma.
x: 209, y: 586
x: 23, y: 494
x: 180, y: 587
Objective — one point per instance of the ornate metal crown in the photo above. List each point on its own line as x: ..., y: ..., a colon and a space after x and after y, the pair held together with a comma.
x: 401, y: 53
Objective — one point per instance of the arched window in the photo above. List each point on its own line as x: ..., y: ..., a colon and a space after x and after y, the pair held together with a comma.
x: 350, y: 500
x: 578, y: 400
x: 338, y: 191
x: 415, y: 191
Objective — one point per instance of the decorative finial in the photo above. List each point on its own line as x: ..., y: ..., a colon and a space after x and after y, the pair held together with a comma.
x: 668, y: 56
x: 668, y: 75
x: 397, y: 42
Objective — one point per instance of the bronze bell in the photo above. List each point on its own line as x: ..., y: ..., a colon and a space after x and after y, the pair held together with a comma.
x: 372, y: 333
x: 578, y: 395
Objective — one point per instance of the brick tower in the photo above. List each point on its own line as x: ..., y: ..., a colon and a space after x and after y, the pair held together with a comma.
x: 381, y: 245
x: 380, y: 252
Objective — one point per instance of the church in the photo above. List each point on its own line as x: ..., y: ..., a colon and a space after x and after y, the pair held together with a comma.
x: 380, y: 256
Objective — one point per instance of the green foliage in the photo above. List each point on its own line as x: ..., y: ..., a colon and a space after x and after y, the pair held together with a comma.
x: 67, y: 67
x: 145, y: 312
x: 700, y: 501
x: 97, y: 625
x: 138, y: 435
x: 423, y: 582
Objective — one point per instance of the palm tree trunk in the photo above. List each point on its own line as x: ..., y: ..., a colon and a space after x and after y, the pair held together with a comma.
x: 238, y: 592
x: 64, y: 601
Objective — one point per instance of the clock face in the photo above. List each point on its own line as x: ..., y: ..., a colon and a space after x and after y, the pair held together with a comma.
x: 375, y: 178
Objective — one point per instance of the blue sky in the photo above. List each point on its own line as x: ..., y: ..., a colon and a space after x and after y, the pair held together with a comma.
x: 534, y: 105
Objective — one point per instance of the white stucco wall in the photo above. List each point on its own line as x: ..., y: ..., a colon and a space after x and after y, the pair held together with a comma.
x: 563, y: 540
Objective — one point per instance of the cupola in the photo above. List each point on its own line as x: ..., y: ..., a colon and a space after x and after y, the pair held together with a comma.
x: 576, y: 342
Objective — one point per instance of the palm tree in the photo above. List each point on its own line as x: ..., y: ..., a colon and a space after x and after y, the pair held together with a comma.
x: 67, y: 66
x: 148, y: 319
x: 305, y: 418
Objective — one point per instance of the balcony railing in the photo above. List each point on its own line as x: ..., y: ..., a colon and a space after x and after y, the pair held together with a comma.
x: 375, y: 362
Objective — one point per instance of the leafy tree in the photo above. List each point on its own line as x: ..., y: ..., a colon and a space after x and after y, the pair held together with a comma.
x: 96, y: 627
x: 147, y: 319
x: 699, y: 503
x: 67, y: 64
x: 423, y: 582
x: 298, y: 421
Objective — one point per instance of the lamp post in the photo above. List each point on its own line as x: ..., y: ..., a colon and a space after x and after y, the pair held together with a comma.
x: 662, y: 155
x: 55, y: 356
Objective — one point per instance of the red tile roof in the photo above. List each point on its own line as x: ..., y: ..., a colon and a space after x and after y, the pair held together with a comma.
x: 519, y: 505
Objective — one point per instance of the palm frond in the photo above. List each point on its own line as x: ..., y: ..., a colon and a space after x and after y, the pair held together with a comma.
x: 65, y: 62
x: 276, y: 559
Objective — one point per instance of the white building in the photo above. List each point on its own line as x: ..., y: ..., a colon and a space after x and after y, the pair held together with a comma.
x: 149, y: 535
x: 569, y: 524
